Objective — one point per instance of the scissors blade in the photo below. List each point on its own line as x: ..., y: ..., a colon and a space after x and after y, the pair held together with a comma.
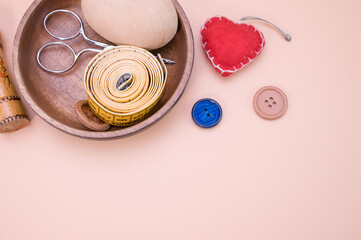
x: 167, y: 61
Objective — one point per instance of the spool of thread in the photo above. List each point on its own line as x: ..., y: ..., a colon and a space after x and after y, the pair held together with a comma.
x: 12, y: 114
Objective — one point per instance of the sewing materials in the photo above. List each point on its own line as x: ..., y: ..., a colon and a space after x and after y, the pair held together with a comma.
x: 230, y: 46
x: 63, y: 38
x: 53, y: 96
x: 270, y: 103
x: 124, y: 84
x: 12, y: 114
x: 207, y: 113
x: 148, y: 24
x: 88, y: 118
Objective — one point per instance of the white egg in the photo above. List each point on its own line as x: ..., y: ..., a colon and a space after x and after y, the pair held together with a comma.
x: 148, y: 24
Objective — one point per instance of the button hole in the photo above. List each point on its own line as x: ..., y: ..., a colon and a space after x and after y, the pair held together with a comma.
x: 271, y: 98
x: 266, y: 101
x: 208, y: 115
x: 274, y: 103
x: 270, y: 106
x: 205, y: 109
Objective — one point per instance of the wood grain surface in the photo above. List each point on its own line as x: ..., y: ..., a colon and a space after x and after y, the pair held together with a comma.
x: 53, y: 96
x: 12, y: 114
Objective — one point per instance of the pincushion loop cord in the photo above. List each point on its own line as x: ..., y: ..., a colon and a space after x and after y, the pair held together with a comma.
x: 81, y: 32
x: 285, y: 35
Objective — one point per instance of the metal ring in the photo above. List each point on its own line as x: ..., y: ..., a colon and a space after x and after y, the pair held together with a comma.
x: 65, y: 11
x: 56, y: 43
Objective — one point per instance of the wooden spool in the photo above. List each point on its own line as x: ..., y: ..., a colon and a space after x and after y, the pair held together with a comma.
x: 53, y: 96
x: 12, y: 114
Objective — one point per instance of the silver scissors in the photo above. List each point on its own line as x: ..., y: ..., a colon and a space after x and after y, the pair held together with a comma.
x: 79, y: 32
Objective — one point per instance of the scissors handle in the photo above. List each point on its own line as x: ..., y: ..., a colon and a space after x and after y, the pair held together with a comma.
x: 99, y: 44
x: 64, y: 38
x: 74, y: 55
x: 80, y: 31
x: 61, y: 37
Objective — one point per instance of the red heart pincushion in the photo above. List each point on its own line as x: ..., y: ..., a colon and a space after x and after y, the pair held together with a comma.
x: 230, y: 46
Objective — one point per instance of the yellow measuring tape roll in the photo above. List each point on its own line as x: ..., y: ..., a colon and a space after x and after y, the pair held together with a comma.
x: 124, y: 83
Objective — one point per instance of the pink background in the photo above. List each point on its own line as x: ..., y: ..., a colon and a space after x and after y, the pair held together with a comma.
x: 294, y: 178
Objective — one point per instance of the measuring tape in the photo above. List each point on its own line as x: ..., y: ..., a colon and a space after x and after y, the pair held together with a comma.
x: 124, y: 83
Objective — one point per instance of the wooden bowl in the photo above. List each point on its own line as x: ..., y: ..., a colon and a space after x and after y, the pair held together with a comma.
x: 53, y: 96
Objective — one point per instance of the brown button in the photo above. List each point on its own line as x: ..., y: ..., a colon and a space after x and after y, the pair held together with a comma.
x: 270, y: 103
x: 88, y: 118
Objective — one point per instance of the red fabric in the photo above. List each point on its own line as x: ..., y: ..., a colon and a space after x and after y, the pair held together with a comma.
x: 230, y: 46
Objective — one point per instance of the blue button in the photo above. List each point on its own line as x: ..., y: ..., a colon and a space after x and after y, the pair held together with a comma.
x: 207, y: 113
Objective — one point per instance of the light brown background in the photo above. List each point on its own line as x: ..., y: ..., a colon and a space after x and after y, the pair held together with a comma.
x: 294, y: 178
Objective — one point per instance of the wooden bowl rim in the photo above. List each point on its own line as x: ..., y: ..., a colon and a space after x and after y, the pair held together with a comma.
x: 111, y: 134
